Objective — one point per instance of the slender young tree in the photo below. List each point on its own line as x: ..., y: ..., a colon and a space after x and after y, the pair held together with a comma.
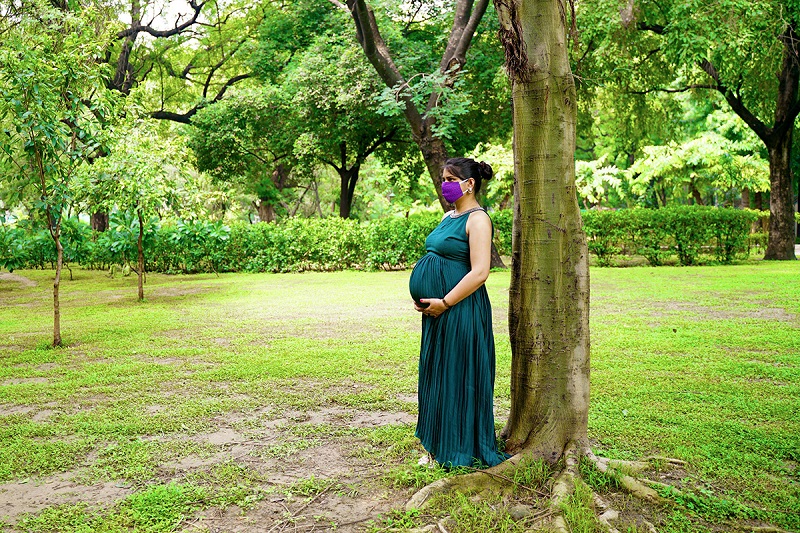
x: 53, y: 99
x: 145, y: 176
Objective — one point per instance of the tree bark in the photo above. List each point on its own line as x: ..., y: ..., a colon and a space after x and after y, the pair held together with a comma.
x: 348, y: 178
x: 781, y: 206
x: 100, y: 221
x: 698, y: 199
x: 266, y: 212
x: 434, y: 153
x: 549, y: 295
x: 745, y: 198
x: 56, y: 285
x: 140, y: 248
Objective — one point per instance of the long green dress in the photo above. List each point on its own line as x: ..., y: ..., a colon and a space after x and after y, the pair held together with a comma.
x: 457, y: 357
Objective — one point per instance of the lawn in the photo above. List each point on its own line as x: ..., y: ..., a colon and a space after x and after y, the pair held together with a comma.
x: 246, y: 402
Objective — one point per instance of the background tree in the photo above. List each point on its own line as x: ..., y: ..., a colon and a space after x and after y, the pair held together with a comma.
x: 145, y: 176
x: 746, y: 52
x: 54, y: 107
x: 422, y: 108
x: 249, y: 139
x: 332, y: 89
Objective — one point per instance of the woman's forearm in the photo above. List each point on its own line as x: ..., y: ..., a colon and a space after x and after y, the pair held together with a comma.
x: 468, y: 284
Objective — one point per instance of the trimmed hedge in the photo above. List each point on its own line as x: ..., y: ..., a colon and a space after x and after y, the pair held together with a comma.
x: 299, y: 244
x: 656, y: 234
x: 293, y: 245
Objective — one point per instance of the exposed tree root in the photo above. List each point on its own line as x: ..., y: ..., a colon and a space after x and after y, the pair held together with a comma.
x: 498, y: 480
x: 632, y: 485
x: 478, y: 481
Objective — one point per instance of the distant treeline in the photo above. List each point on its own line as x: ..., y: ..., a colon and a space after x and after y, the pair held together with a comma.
x: 692, y: 233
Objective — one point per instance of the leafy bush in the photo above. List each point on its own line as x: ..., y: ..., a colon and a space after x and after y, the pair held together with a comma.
x: 398, y: 241
x: 648, y: 234
x: 604, y: 234
x: 657, y: 234
x: 12, y: 248
x: 731, y: 230
x: 690, y: 227
x: 190, y: 246
x: 503, y: 222
x: 299, y: 244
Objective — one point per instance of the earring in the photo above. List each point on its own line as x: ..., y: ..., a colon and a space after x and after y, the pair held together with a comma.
x: 469, y: 191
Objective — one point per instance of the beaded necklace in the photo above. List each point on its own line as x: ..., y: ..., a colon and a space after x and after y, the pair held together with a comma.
x: 468, y: 211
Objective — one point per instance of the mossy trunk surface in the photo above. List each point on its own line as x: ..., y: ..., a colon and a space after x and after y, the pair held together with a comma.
x: 549, y: 296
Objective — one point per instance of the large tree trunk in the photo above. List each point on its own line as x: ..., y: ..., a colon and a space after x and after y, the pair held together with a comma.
x: 349, y: 178
x: 781, y: 206
x: 549, y: 295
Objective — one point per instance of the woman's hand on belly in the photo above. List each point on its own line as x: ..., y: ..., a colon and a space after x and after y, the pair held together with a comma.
x: 435, y: 307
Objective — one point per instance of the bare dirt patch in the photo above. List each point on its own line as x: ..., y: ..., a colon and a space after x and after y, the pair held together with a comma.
x: 33, y: 496
x: 695, y: 311
x: 42, y: 415
x: 7, y: 410
x: 358, y: 419
x: 24, y: 381
x: 22, y: 280
x: 352, y: 497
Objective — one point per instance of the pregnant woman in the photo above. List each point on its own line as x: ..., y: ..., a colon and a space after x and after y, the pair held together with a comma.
x: 457, y: 358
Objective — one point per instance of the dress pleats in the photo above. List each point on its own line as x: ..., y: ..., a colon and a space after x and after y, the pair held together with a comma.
x: 457, y: 357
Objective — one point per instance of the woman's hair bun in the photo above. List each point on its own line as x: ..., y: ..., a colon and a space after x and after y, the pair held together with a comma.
x: 485, y: 170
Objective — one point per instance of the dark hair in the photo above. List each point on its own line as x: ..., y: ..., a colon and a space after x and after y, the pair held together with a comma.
x: 466, y: 168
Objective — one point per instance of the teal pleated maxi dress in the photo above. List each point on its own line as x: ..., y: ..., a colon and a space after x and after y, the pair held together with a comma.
x: 457, y: 356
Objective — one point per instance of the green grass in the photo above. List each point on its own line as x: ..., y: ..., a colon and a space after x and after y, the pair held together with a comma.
x: 701, y: 364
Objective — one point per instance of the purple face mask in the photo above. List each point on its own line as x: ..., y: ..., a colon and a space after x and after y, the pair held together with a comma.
x: 451, y: 190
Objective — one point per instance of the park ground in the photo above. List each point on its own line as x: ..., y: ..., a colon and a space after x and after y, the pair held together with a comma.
x: 286, y: 402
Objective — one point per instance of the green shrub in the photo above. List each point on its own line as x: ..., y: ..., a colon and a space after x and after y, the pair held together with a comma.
x: 604, y: 234
x: 656, y: 234
x: 645, y: 233
x: 503, y: 222
x: 731, y: 229
x: 690, y: 227
x: 300, y: 244
x: 12, y: 248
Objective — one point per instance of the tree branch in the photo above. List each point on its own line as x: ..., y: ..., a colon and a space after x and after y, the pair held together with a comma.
x: 219, y: 65
x: 378, y: 54
x: 460, y: 21
x: 185, y: 118
x: 136, y: 28
x: 736, y: 103
x: 469, y: 31
x: 680, y: 90
x: 655, y: 28
x: 378, y: 142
